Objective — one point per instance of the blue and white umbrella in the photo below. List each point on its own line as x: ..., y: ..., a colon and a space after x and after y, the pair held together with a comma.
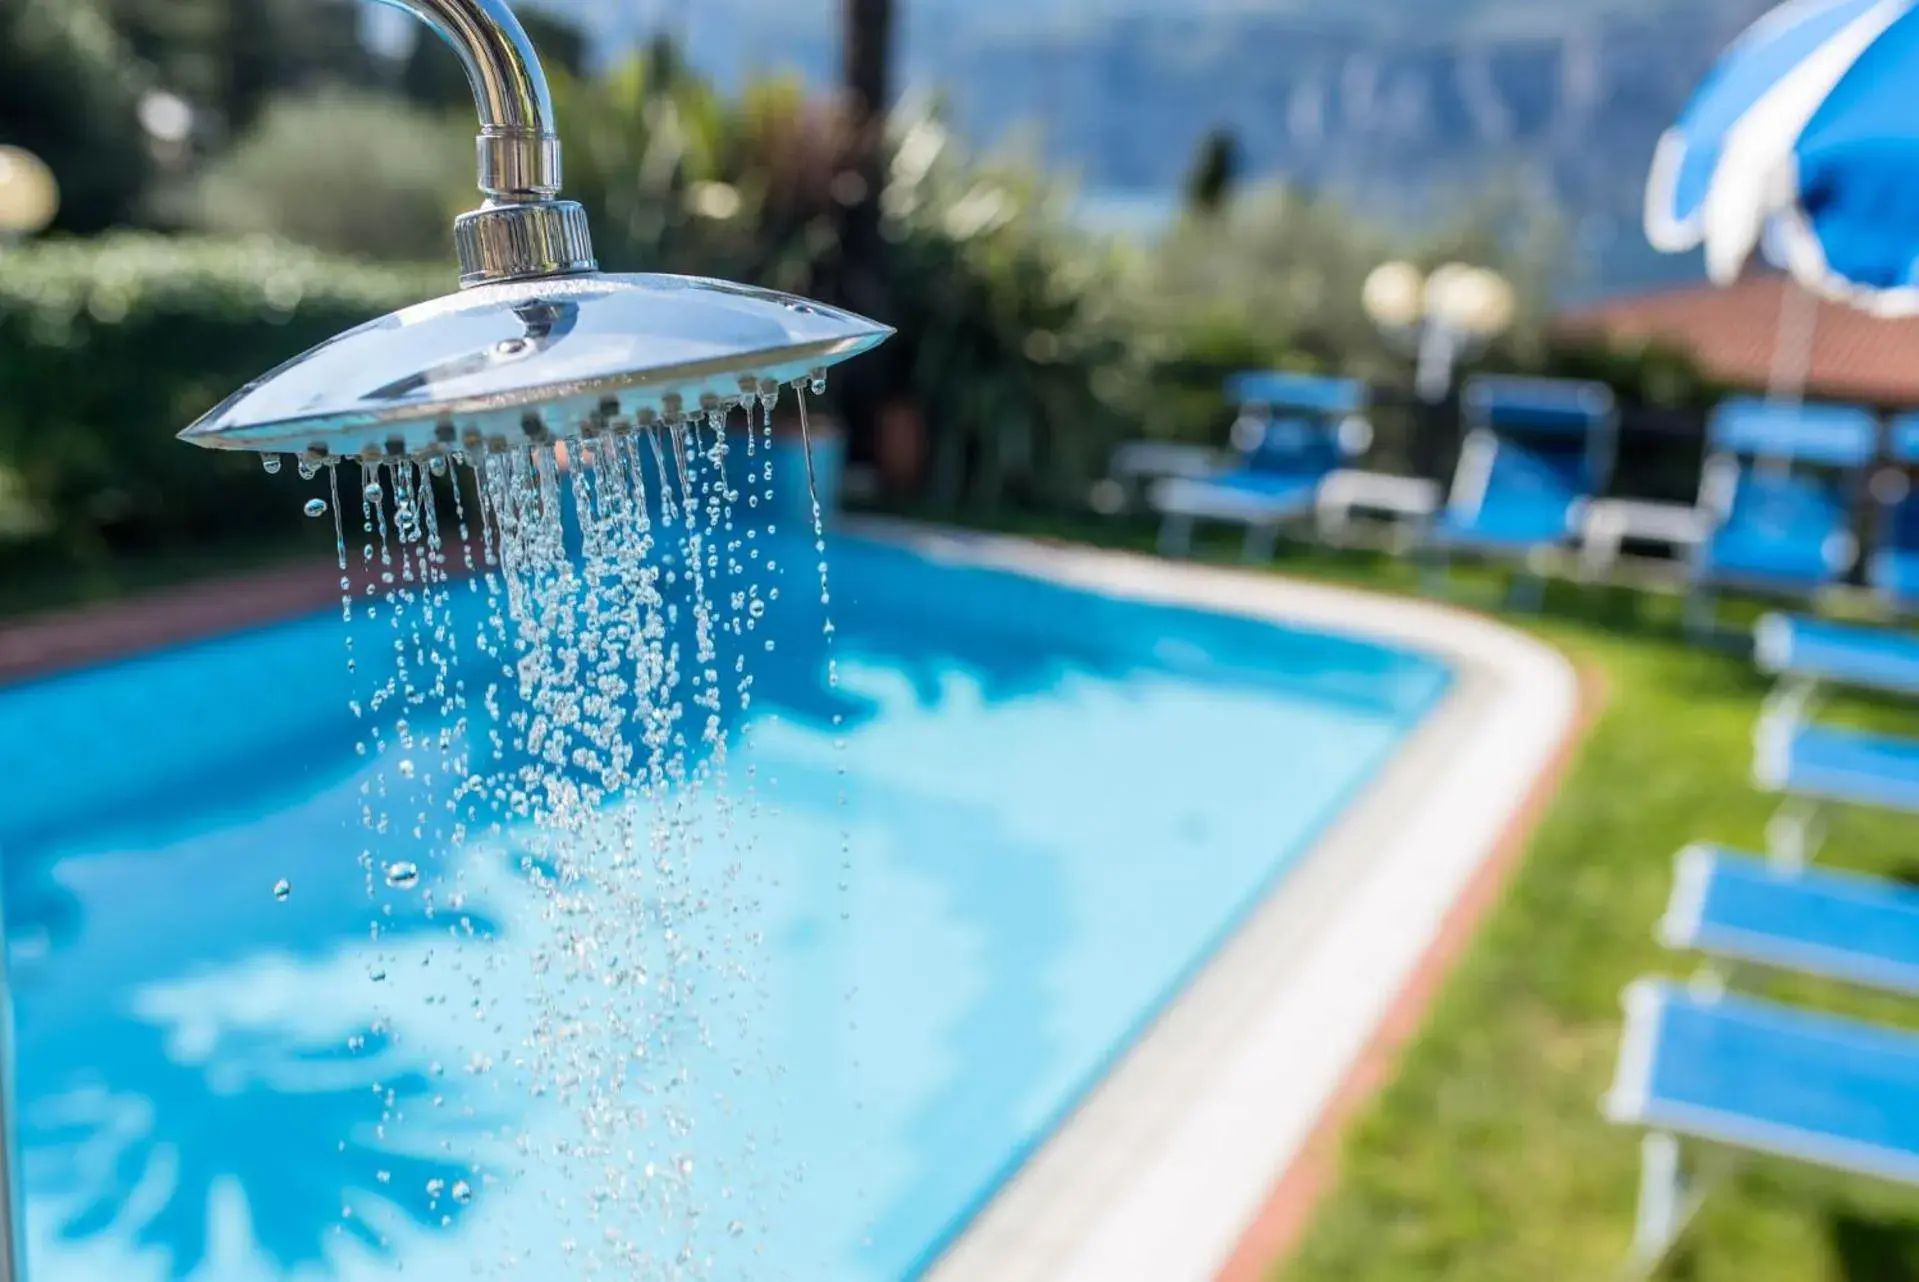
x: 1804, y: 139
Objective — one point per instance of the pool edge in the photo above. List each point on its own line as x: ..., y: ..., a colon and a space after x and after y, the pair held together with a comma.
x: 1199, y: 1154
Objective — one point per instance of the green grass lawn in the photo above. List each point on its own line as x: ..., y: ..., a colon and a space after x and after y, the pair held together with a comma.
x: 1486, y: 1158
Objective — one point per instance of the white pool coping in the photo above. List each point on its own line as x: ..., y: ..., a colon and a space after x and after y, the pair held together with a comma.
x: 1164, y: 1168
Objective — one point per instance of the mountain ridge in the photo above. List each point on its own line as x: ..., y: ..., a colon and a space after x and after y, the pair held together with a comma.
x: 1394, y: 105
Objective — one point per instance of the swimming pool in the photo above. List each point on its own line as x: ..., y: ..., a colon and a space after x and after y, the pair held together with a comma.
x: 910, y: 939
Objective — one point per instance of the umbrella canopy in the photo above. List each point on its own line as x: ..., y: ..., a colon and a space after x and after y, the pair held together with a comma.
x: 1804, y: 139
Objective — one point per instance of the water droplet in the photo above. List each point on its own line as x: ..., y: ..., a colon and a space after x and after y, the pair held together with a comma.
x: 308, y: 469
x: 271, y: 462
x: 316, y: 507
x: 282, y: 889
x: 462, y: 1192
x: 377, y: 974
x: 736, y: 1229
x: 437, y: 465
x: 407, y: 768
x: 435, y: 1188
x: 818, y: 385
x: 402, y: 875
x: 373, y: 491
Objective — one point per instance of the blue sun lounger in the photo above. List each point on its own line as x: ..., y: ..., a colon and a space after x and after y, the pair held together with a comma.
x: 1840, y: 926
x: 1893, y: 570
x: 1775, y: 489
x: 1815, y: 764
x: 1737, y: 1076
x: 1295, y: 430
x: 1809, y: 652
x: 1536, y: 452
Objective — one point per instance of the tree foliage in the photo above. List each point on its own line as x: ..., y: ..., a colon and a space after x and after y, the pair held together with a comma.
x: 68, y: 94
x: 1215, y: 170
x: 228, y: 57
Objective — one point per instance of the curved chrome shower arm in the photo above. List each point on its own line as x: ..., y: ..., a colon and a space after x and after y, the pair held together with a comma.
x: 508, y: 85
x: 521, y: 230
x: 519, y: 142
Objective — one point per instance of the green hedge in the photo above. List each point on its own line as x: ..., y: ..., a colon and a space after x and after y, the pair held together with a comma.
x: 108, y: 347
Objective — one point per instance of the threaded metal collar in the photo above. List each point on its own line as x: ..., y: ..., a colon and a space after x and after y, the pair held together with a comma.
x: 512, y: 241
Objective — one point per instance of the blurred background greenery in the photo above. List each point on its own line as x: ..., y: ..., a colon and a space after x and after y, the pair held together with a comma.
x: 241, y: 178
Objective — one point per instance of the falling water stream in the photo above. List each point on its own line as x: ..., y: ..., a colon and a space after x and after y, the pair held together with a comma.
x: 584, y: 726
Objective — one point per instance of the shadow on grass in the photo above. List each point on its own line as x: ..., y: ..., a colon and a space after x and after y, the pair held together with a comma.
x: 1873, y: 1250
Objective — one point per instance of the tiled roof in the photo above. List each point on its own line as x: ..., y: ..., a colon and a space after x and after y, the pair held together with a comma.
x: 1733, y: 334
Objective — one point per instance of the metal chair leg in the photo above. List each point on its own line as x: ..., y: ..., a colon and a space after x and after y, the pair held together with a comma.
x: 1176, y: 535
x: 1793, y: 700
x: 1262, y: 543
x: 1795, y: 833
x: 1527, y: 592
x: 1702, y: 614
x: 1669, y: 1201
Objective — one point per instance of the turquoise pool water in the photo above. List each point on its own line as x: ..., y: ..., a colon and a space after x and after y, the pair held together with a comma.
x: 901, y: 945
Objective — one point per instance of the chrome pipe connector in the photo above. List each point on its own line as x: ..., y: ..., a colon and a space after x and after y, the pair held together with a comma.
x: 523, y: 230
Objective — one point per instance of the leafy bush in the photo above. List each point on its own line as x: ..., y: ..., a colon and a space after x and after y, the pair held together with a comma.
x: 1022, y: 362
x: 348, y: 173
x: 109, y: 347
x: 1647, y: 374
x: 1017, y: 359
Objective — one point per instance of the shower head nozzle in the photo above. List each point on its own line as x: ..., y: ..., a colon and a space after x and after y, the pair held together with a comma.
x: 537, y: 343
x: 535, y: 359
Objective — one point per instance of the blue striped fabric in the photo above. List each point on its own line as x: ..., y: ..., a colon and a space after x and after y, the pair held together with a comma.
x: 1772, y: 1079
x: 1843, y: 653
x: 1838, y: 925
x: 1841, y: 436
x: 1541, y: 406
x: 1528, y: 500
x: 1692, y: 148
x: 1903, y: 438
x: 1804, y: 142
x: 1785, y: 533
x: 1841, y: 765
x: 1285, y: 390
x: 1858, y: 185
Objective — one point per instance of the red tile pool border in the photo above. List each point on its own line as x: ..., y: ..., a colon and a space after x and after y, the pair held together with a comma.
x: 42, y: 645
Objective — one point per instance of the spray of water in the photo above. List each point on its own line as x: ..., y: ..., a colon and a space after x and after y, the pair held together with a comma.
x: 584, y: 725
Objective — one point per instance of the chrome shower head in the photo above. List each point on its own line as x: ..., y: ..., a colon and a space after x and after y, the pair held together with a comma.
x: 537, y: 344
x: 532, y: 360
